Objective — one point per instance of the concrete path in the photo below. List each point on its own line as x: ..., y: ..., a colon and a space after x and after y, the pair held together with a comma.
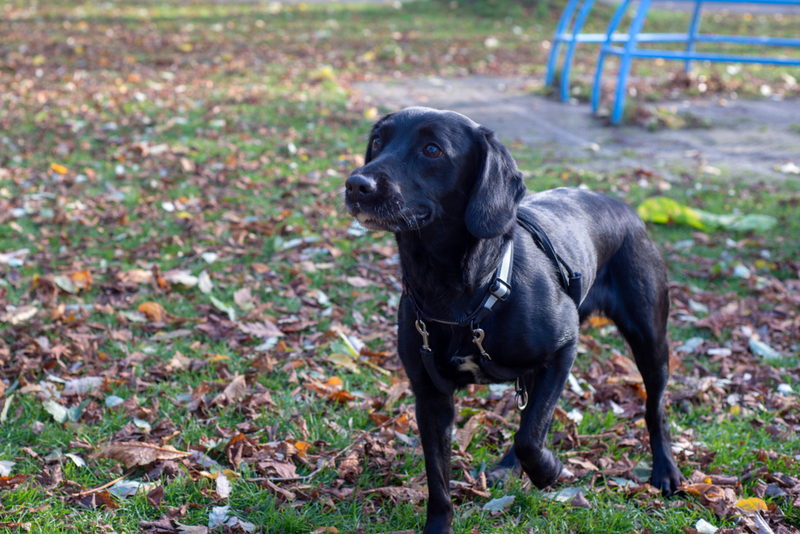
x: 748, y: 139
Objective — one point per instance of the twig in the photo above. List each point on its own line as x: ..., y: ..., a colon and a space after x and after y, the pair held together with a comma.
x: 104, y: 486
x: 326, y: 460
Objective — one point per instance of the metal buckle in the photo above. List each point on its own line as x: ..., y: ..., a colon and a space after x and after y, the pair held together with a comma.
x: 500, y: 289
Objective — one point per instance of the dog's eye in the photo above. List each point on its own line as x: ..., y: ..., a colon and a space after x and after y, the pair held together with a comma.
x: 432, y: 151
x: 376, y: 142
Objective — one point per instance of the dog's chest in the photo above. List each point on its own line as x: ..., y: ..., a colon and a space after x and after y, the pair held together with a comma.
x: 461, y: 360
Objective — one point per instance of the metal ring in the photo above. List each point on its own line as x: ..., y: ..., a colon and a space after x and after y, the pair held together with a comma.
x: 522, y: 400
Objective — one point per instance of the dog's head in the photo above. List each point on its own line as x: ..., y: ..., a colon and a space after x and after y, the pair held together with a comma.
x: 424, y: 165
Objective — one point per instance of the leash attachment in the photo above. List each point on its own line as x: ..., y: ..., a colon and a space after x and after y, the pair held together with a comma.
x: 521, y: 397
x: 423, y: 331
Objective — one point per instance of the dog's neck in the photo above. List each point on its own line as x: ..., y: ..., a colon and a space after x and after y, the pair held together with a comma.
x: 446, y: 273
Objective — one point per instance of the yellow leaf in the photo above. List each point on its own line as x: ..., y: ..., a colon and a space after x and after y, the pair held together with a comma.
x: 216, y: 358
x: 753, y: 504
x: 60, y: 169
x: 38, y: 60
x: 736, y: 410
x: 186, y: 47
x: 183, y: 215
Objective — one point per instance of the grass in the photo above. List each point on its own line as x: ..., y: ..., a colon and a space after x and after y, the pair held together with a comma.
x: 143, y: 137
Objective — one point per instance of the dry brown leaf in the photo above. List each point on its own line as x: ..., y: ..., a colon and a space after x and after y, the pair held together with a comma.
x: 155, y: 496
x: 398, y: 494
x: 236, y: 389
x: 358, y: 281
x: 134, y: 453
x: 349, y: 467
x: 465, y: 435
x: 6, y: 482
x: 264, y: 329
x: 135, y: 276
x: 101, y: 499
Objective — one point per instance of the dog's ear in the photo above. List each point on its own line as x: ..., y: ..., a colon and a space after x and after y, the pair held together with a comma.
x: 368, y: 156
x: 498, y: 189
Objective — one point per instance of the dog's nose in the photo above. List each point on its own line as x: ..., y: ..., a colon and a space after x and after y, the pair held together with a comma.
x: 359, y: 187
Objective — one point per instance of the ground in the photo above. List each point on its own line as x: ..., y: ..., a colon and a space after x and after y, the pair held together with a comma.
x: 195, y: 337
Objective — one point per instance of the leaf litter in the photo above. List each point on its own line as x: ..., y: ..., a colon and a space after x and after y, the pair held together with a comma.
x: 237, y: 308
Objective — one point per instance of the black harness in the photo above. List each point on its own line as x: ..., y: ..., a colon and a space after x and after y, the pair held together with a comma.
x: 497, y: 291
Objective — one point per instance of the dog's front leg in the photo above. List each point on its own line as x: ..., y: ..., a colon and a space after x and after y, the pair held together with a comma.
x: 545, y: 387
x: 435, y: 414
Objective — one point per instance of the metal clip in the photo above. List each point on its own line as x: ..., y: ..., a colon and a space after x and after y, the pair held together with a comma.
x: 423, y: 331
x: 477, y: 338
x: 521, y: 397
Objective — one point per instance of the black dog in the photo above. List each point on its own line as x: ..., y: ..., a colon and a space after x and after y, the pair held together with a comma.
x: 455, y: 200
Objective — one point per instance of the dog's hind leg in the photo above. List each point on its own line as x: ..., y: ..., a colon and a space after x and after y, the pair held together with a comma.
x: 545, y: 385
x: 639, y: 307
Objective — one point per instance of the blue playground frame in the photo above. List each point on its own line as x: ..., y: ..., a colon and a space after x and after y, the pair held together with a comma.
x: 568, y: 31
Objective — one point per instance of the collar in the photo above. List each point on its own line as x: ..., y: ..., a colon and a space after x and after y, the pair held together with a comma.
x: 497, y: 291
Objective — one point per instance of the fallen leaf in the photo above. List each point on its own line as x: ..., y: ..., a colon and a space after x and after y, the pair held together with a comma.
x: 223, y: 486
x: 499, y: 504
x: 204, y: 282
x: 358, y: 281
x: 155, y: 496
x: 261, y: 330
x: 135, y: 453
x: 154, y: 311
x: 82, y: 385
x: 16, y: 315
x: 6, y: 482
x: 752, y: 504
x: 236, y: 389
x: 58, y: 168
x: 464, y: 435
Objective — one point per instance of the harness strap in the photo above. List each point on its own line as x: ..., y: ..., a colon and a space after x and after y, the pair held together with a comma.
x: 571, y: 281
x: 498, y: 291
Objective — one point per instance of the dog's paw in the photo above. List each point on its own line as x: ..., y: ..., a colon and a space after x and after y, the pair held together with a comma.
x: 437, y: 526
x: 667, y: 478
x: 545, y: 470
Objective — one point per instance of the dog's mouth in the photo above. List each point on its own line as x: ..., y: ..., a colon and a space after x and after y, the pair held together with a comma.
x: 402, y: 223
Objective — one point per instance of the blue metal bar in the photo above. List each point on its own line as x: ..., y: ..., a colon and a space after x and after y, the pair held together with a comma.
x: 683, y: 37
x: 748, y: 39
x: 693, y: 29
x: 680, y: 55
x: 616, y: 18
x: 623, y: 37
x: 580, y: 20
x: 781, y: 2
x: 625, y: 62
x: 555, y: 49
